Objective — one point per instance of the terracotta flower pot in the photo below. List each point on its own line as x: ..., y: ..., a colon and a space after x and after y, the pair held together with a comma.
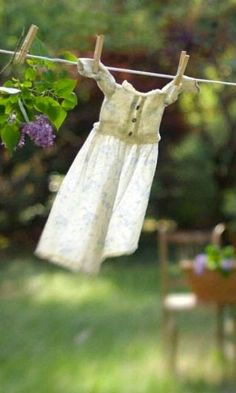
x: 212, y: 286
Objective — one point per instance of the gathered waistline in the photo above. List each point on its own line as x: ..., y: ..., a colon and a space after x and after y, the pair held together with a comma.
x: 128, y: 137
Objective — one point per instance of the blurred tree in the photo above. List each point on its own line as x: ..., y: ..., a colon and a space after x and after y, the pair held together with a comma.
x: 196, y: 173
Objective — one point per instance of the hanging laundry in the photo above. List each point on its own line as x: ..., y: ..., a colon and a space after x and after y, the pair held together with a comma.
x: 100, y: 207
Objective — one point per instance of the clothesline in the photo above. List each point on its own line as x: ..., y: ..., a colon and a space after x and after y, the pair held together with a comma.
x: 116, y: 69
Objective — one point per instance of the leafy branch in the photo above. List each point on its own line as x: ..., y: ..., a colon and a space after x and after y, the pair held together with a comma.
x: 39, y: 92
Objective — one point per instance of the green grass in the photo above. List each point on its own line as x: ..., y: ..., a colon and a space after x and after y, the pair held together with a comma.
x: 69, y: 333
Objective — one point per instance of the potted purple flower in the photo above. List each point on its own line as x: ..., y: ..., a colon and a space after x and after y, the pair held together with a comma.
x: 215, y: 258
x: 212, y: 275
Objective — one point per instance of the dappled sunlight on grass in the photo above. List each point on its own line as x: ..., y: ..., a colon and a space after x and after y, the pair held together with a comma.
x: 66, y: 288
x: 70, y: 332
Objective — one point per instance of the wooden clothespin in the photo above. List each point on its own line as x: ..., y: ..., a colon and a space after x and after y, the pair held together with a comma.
x: 182, y: 55
x: 21, y: 55
x: 183, y: 61
x: 97, y: 52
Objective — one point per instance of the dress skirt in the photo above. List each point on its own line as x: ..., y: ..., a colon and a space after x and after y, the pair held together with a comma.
x: 99, y: 209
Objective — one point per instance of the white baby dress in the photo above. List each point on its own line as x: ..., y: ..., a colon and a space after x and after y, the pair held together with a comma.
x: 100, y: 207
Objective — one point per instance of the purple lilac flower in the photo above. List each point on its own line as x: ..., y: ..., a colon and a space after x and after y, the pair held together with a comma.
x: 40, y: 131
x: 200, y: 263
x: 227, y: 264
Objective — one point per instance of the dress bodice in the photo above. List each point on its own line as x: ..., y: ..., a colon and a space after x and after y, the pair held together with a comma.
x: 128, y: 114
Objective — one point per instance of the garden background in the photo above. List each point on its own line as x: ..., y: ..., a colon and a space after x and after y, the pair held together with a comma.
x: 67, y: 332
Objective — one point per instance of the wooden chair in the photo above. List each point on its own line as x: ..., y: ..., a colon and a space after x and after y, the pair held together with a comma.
x: 188, y: 244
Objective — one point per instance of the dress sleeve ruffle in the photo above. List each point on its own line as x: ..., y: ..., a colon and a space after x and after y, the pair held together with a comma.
x: 171, y: 91
x: 106, y: 82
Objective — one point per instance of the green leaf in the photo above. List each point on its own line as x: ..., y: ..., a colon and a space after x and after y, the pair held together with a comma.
x: 64, y: 86
x: 49, y: 76
x: 228, y: 252
x: 4, y: 100
x: 41, y: 86
x: 30, y: 74
x: 38, y: 63
x: 3, y: 118
x: 10, y: 135
x: 70, y: 101
x: 39, y: 47
x: 52, y: 109
x: 27, y: 95
x: 41, y: 103
x: 26, y: 84
x: 2, y: 110
x: 13, y: 99
x: 9, y: 108
x: 57, y: 115
x: 68, y: 56
x: 10, y: 83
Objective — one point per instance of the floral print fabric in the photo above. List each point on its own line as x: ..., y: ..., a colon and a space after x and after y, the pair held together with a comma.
x: 99, y: 209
